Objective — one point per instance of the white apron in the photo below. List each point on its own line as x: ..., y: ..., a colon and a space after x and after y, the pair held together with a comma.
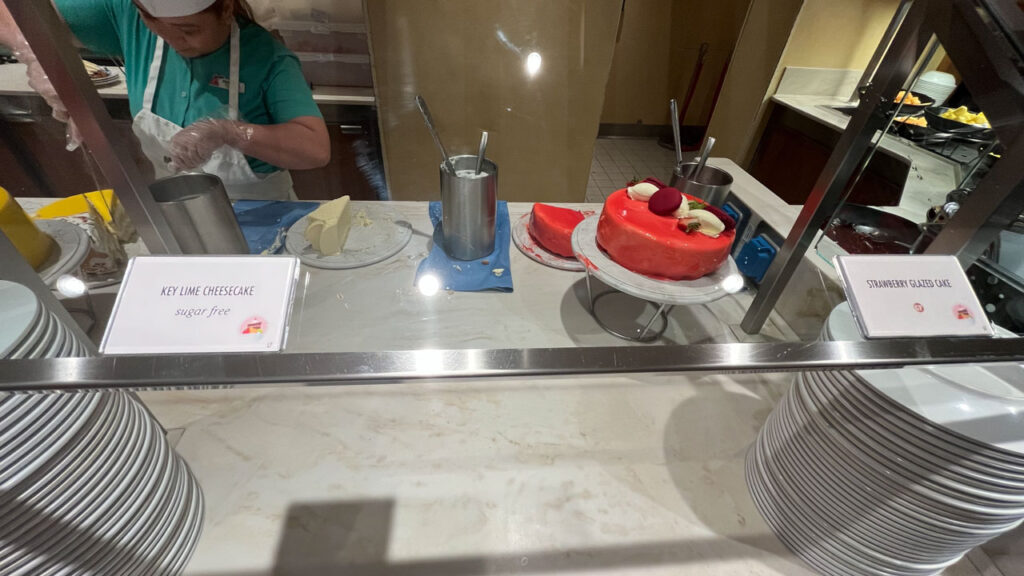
x: 155, y: 133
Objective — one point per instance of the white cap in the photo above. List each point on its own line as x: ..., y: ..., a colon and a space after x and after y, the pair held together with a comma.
x: 174, y: 8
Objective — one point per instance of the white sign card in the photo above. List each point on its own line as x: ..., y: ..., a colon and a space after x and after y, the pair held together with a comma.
x: 202, y: 304
x: 896, y: 296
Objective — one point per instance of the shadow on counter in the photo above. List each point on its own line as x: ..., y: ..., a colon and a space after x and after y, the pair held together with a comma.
x: 352, y: 538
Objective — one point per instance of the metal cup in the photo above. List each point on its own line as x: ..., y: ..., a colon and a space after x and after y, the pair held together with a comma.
x: 199, y: 213
x: 469, y: 207
x: 712, y: 187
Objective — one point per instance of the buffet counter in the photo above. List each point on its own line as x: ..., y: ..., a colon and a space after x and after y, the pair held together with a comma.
x: 931, y: 176
x: 611, y: 473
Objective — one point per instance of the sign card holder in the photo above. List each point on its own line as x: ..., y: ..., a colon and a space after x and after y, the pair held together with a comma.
x: 905, y: 296
x: 202, y: 304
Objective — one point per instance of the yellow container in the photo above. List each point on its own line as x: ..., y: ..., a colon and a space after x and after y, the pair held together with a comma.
x: 34, y: 245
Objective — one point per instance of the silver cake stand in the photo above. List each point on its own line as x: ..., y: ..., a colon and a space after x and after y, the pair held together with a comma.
x: 664, y: 294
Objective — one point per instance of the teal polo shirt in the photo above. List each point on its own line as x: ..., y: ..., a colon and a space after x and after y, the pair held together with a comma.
x: 275, y: 90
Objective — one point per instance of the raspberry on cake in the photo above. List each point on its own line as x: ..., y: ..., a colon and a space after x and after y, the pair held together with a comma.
x: 684, y: 243
x: 552, y: 226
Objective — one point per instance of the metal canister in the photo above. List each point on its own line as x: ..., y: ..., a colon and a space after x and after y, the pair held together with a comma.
x: 469, y: 206
x: 712, y: 186
x: 199, y: 213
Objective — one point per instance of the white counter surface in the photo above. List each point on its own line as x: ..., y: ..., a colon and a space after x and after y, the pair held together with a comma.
x: 14, y: 82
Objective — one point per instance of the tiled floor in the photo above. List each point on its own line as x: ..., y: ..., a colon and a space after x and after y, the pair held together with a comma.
x: 619, y: 160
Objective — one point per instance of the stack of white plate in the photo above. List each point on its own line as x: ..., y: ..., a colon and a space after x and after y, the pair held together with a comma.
x: 937, y: 85
x: 88, y: 483
x: 892, y: 471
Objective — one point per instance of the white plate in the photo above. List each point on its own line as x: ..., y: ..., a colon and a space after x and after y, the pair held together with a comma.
x: 384, y: 237
x: 79, y: 476
x: 859, y: 544
x: 982, y: 403
x: 62, y: 470
x: 111, y: 76
x: 930, y: 437
x: 72, y: 247
x: 804, y: 538
x: 19, y: 446
x: 941, y: 512
x: 19, y: 313
x: 186, y: 545
x: 20, y: 410
x: 134, y: 487
x: 523, y: 240
x: 931, y: 483
x: 675, y: 292
x: 43, y: 452
x: 32, y: 341
x: 963, y: 465
x: 162, y: 530
x: 42, y: 344
x: 58, y: 342
x: 819, y: 485
x: 94, y: 499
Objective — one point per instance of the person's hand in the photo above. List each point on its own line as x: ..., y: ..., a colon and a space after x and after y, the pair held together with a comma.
x: 38, y: 81
x: 194, y: 144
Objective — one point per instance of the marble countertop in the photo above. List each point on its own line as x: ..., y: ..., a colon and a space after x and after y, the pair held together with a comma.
x: 14, y: 82
x: 931, y: 176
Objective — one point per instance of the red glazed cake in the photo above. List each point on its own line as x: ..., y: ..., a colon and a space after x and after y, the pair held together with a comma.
x: 552, y: 226
x: 690, y: 242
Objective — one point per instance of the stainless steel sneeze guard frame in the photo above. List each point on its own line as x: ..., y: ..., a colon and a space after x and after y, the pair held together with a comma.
x: 241, y: 370
x: 988, y: 58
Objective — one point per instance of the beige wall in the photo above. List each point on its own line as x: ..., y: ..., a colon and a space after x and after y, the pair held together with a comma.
x: 467, y: 59
x: 759, y: 49
x: 838, y: 33
x: 811, y: 33
x: 656, y: 56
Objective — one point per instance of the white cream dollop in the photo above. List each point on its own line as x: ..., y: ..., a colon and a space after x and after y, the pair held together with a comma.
x: 684, y: 209
x: 710, y: 225
x: 641, y: 191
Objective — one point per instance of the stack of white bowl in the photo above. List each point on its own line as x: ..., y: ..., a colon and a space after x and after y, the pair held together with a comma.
x: 88, y: 483
x: 891, y: 472
x: 937, y: 85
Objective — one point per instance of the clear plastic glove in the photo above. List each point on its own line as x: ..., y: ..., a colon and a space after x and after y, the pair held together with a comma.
x: 38, y: 81
x: 194, y: 144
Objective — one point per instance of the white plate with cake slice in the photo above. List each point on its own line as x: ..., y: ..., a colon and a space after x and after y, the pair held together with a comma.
x: 377, y: 234
x: 709, y: 288
x: 532, y: 249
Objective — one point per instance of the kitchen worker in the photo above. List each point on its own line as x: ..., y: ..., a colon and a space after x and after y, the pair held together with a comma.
x: 209, y: 90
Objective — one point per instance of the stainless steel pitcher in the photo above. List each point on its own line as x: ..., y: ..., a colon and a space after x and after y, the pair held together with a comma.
x: 469, y: 207
x: 199, y: 213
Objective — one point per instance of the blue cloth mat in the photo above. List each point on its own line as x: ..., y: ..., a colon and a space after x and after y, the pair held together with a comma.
x: 265, y: 222
x: 470, y: 275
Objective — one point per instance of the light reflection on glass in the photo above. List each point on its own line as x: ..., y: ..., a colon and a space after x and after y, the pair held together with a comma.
x: 428, y: 285
x: 732, y: 283
x: 70, y: 286
x: 429, y: 361
x: 533, y: 61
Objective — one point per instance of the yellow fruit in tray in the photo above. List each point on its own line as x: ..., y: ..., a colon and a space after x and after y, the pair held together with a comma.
x: 964, y: 116
x: 910, y: 101
x: 915, y: 121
